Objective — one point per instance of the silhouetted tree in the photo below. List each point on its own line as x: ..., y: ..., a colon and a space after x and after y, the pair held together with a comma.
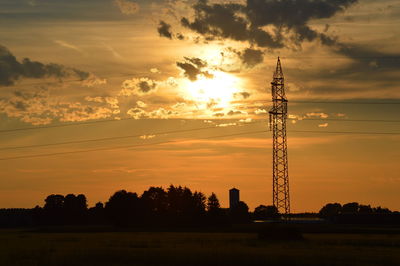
x: 198, y: 203
x: 75, y: 208
x: 123, y: 208
x: 213, y: 203
x: 216, y: 216
x: 365, y: 209
x: 350, y: 208
x: 54, y: 202
x: 185, y: 206
x: 266, y: 212
x: 99, y: 205
x: 53, y: 209
x: 96, y: 213
x: 330, y: 210
x: 154, y: 202
x: 379, y: 209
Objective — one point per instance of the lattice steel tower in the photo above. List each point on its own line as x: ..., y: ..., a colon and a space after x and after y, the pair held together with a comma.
x: 277, y: 122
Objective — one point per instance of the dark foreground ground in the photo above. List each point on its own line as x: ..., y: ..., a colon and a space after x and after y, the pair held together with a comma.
x: 52, y: 247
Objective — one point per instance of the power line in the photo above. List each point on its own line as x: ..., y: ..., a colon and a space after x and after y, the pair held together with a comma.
x: 75, y: 124
x: 66, y: 125
x: 342, y: 57
x: 347, y: 120
x: 66, y: 81
x: 346, y: 132
x: 180, y: 131
x: 131, y: 118
x: 342, y: 102
x: 125, y: 146
x: 179, y: 141
x: 117, y: 137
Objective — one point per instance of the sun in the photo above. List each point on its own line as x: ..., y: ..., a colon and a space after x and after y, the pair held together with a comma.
x: 219, y: 90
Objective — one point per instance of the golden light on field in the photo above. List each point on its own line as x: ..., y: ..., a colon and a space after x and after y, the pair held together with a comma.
x: 218, y: 90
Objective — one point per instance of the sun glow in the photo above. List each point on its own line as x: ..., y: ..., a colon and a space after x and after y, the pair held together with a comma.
x: 218, y: 91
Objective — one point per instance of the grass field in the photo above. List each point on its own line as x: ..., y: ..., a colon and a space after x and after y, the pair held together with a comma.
x: 21, y: 247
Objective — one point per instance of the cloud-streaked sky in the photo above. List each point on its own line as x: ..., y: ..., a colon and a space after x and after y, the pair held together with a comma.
x: 158, y: 66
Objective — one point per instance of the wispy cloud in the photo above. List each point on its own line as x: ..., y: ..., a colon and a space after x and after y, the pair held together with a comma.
x: 69, y: 46
x: 112, y: 51
x: 127, y: 7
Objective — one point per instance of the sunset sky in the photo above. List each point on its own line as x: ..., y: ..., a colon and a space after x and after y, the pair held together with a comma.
x: 193, y: 78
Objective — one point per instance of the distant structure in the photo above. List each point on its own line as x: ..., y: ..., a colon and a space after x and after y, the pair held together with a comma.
x: 277, y: 123
x: 233, y: 198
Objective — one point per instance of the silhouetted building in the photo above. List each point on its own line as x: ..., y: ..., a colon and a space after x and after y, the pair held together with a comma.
x: 233, y: 198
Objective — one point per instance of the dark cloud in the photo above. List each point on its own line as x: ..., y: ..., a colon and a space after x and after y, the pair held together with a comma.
x: 193, y: 67
x: 190, y: 70
x: 12, y: 70
x: 138, y: 86
x: 367, y: 57
x: 146, y: 86
x: 127, y: 7
x: 243, y: 95
x: 164, y: 29
x: 366, y: 65
x: 223, y: 21
x: 368, y: 71
x: 180, y: 36
x: 218, y: 114
x: 251, y: 57
x: 196, y: 61
x: 232, y: 112
x: 245, y: 22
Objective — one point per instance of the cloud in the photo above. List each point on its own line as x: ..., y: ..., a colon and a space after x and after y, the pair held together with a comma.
x: 40, y: 108
x: 97, y: 99
x: 147, y: 137
x: 74, y: 112
x: 164, y: 29
x: 141, y: 104
x: 313, y: 114
x: 111, y: 101
x: 246, y: 120
x: 368, y: 59
x: 323, y: 125
x: 251, y: 57
x: 242, y: 95
x: 13, y: 70
x: 93, y: 80
x: 226, y: 125
x: 235, y: 112
x: 364, y: 70
x: 247, y: 22
x: 69, y: 46
x: 155, y: 70
x: 193, y: 67
x: 136, y: 113
x: 138, y: 86
x: 260, y: 111
x: 127, y: 7
x: 112, y: 51
x: 160, y: 113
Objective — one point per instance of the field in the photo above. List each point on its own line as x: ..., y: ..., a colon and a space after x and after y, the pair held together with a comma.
x: 22, y: 247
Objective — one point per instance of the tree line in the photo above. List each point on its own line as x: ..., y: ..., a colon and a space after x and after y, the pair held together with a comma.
x: 175, y: 205
x: 353, y: 212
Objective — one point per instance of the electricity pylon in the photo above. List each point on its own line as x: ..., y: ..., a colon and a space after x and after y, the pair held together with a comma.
x: 277, y: 122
